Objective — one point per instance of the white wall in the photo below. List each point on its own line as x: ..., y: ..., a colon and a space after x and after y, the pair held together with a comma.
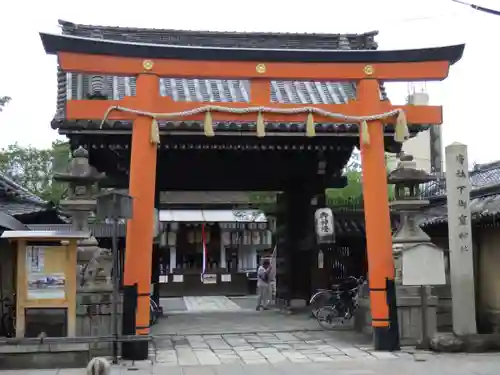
x: 419, y: 147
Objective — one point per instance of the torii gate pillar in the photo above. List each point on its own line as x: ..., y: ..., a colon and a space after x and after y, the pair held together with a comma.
x: 378, y: 225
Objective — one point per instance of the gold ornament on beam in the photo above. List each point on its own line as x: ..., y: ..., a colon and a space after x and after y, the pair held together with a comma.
x: 147, y: 64
x: 208, y: 125
x: 261, y: 125
x: 155, y: 132
x: 310, y: 128
x: 401, y: 132
x: 364, y: 133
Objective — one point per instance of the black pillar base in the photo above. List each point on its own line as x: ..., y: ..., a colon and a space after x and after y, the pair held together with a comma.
x: 383, y: 339
x: 141, y: 350
x: 393, y: 314
x: 387, y: 338
x: 133, y: 350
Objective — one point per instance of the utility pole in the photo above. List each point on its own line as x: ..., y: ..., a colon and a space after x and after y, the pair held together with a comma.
x: 479, y: 8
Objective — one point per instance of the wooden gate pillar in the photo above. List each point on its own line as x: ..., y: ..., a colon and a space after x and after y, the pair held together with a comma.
x: 378, y: 223
x: 142, y: 185
x: 299, y: 224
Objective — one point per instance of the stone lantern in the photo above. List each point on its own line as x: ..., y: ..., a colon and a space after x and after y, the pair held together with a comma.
x: 408, y: 202
x: 81, y: 178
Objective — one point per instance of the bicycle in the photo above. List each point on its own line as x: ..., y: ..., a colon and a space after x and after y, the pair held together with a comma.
x: 328, y: 297
x: 341, y: 310
x: 8, y: 319
x: 156, y: 311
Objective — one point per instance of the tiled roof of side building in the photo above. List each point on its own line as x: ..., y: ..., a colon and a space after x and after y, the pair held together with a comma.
x: 485, y: 195
x: 16, y: 200
x: 73, y: 86
x: 480, y: 176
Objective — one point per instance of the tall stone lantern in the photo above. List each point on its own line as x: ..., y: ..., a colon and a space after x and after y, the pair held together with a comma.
x: 81, y: 178
x: 408, y: 202
x: 418, y: 262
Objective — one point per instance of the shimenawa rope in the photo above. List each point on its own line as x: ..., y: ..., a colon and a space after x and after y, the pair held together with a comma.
x: 400, y: 135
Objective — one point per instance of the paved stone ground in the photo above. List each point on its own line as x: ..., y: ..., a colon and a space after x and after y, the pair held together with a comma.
x: 230, y: 341
x: 402, y: 364
x: 261, y: 348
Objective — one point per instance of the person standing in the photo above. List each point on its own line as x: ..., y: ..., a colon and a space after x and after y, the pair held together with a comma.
x: 263, y: 286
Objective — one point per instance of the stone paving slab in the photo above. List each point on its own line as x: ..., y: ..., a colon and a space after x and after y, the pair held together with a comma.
x: 241, y: 321
x: 210, y: 303
x: 207, y: 304
x: 173, y: 304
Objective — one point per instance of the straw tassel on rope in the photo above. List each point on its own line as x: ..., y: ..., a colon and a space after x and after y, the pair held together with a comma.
x: 261, y: 126
x: 364, y: 132
x: 208, y: 127
x: 155, y: 132
x: 310, y: 128
x: 401, y: 132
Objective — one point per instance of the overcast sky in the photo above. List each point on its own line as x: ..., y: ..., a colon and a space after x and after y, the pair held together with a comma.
x: 469, y: 96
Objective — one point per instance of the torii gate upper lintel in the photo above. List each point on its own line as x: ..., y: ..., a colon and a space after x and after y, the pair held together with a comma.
x: 149, y: 62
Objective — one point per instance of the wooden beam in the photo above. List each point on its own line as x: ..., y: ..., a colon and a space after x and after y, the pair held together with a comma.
x: 95, y: 110
x: 131, y: 66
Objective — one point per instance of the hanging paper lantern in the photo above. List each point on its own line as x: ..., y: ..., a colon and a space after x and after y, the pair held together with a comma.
x: 172, y: 238
x: 256, y: 237
x: 225, y: 238
x: 190, y: 236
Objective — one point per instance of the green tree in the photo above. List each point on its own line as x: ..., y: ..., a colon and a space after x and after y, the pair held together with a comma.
x: 33, y: 168
x: 352, y: 193
x: 3, y: 101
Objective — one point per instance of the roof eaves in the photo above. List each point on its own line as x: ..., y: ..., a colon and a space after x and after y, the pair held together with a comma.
x: 24, y: 194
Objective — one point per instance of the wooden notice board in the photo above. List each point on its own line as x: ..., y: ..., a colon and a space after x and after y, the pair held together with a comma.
x: 46, y: 278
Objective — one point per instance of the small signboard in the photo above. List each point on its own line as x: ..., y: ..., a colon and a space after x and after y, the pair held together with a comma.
x: 423, y: 264
x: 209, y: 278
x: 178, y: 279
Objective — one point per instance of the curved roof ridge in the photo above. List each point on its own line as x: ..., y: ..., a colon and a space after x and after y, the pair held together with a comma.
x: 26, y: 194
x: 486, y: 166
x: 64, y: 23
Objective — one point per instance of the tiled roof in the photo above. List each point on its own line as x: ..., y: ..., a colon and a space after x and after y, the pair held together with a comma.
x: 16, y: 200
x: 485, y: 195
x: 79, y: 86
x: 482, y: 175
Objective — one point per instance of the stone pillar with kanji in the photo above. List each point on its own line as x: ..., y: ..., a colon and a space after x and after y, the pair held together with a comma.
x: 460, y: 238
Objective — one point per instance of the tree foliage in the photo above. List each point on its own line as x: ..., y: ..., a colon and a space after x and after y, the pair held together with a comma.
x: 34, y: 168
x: 3, y: 101
x: 352, y: 193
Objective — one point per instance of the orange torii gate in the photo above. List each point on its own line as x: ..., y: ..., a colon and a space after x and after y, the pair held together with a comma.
x: 150, y: 62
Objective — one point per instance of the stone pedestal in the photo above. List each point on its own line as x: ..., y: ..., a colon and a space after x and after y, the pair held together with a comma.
x: 94, y: 308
